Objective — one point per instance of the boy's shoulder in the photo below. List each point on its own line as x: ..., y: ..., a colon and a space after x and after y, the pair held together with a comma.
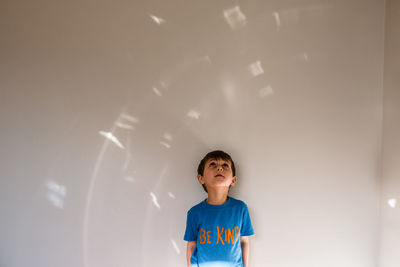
x: 236, y: 202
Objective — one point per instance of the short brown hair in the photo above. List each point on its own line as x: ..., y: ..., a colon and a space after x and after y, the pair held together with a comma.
x: 216, y: 154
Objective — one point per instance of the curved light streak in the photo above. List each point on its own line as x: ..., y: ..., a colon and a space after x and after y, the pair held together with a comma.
x: 93, y: 178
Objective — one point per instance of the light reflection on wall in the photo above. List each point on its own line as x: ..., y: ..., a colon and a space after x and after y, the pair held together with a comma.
x: 128, y: 154
x: 392, y: 202
x: 305, y: 56
x: 157, y: 20
x: 130, y: 179
x: 124, y: 125
x: 228, y: 88
x: 178, y: 251
x: 154, y: 200
x: 56, y: 194
x: 205, y: 58
x: 168, y: 138
x: 235, y: 17
x: 193, y: 114
x: 165, y: 144
x: 266, y: 91
x: 110, y: 136
x: 129, y: 118
x: 256, y: 68
x: 157, y: 91
x: 277, y: 20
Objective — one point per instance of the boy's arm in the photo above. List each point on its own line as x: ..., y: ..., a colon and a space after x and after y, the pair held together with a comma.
x: 189, y: 250
x: 245, y: 244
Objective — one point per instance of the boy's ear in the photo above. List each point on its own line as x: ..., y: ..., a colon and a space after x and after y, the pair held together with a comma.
x: 234, y: 180
x: 200, y: 178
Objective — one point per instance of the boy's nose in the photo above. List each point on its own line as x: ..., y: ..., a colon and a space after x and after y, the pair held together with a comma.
x: 220, y: 168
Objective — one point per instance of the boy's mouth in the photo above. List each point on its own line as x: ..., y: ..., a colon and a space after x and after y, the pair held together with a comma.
x: 219, y: 175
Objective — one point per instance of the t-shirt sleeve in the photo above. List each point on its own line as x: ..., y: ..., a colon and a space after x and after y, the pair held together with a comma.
x: 190, y: 232
x: 247, y: 228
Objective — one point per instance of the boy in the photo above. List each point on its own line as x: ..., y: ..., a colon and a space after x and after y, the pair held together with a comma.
x: 218, y: 228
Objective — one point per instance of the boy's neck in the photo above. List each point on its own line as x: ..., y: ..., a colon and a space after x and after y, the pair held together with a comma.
x: 217, y: 198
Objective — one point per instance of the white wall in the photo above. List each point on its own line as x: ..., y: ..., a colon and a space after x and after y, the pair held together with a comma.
x: 390, y: 219
x: 291, y: 89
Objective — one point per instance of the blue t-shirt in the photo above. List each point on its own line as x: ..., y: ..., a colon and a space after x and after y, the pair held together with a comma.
x: 217, y: 230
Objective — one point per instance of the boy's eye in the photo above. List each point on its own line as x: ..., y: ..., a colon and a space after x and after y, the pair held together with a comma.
x: 212, y: 164
x: 225, y: 165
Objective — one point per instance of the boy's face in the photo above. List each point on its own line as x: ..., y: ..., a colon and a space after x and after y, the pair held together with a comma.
x: 217, y: 174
